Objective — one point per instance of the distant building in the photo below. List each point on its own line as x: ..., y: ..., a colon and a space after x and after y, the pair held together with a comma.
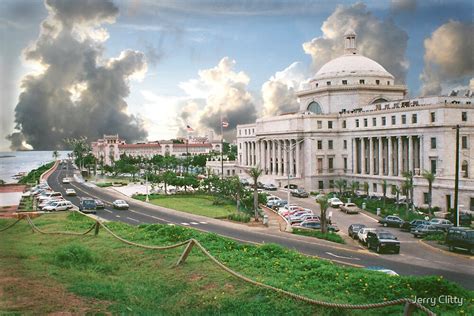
x: 355, y: 123
x: 111, y: 147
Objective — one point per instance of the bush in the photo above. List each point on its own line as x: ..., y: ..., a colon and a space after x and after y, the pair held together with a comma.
x: 73, y: 255
x: 239, y: 217
x: 440, y: 238
x: 318, y: 234
x: 34, y: 175
x: 104, y: 184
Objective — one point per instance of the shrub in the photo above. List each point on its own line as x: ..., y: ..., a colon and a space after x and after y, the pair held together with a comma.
x: 33, y: 175
x: 318, y: 234
x: 104, y: 184
x: 239, y: 217
x: 74, y: 255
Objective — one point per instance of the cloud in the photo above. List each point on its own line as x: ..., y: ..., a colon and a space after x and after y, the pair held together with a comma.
x: 279, y: 92
x: 380, y: 40
x: 403, y: 5
x: 77, y: 92
x: 449, y: 59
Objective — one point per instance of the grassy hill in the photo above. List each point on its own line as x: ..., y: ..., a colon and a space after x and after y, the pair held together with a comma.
x: 101, y: 275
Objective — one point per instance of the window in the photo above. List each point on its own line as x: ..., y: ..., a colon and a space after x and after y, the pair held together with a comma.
x: 330, y: 164
x: 433, y: 117
x: 388, y: 83
x: 345, y: 144
x: 374, y: 187
x: 320, y: 144
x: 320, y: 124
x: 464, y: 169
x: 357, y: 122
x: 426, y: 198
x: 414, y: 119
x: 362, y: 81
x: 394, y: 120
x: 240, y: 132
x: 471, y: 206
x: 330, y: 144
x: 374, y: 121
x: 384, y: 121
x: 344, y: 124
x: 464, y: 142
x: 329, y: 124
x: 331, y: 184
x: 320, y: 165
x: 377, y: 82
x: 344, y: 82
x: 365, y: 122
x: 433, y: 166
x: 321, y: 185
x: 314, y: 107
x: 317, y: 84
x: 328, y: 83
x: 464, y: 116
x: 345, y: 164
x: 404, y: 119
x: 433, y: 142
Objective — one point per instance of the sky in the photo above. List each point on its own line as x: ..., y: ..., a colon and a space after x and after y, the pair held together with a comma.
x: 146, y: 69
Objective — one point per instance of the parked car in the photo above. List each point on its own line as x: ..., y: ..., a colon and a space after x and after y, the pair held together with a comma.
x: 292, y: 186
x: 382, y: 241
x: 99, y: 204
x: 271, y: 200
x: 362, y: 234
x: 49, y: 195
x: 49, y: 202
x: 58, y: 206
x: 460, y: 238
x: 279, y: 203
x: 317, y: 225
x: 391, y: 220
x: 120, y: 204
x: 87, y: 205
x: 353, y: 230
x: 270, y: 187
x: 335, y: 202
x: 408, y: 226
x: 66, y: 180
x: 298, y: 217
x: 349, y: 208
x: 71, y: 192
x: 441, y: 224
x: 424, y: 230
x: 300, y: 193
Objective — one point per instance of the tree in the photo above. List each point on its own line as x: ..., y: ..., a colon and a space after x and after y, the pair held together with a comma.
x: 384, y: 191
x: 323, y: 204
x: 397, y: 190
x: 407, y: 188
x: 430, y: 177
x: 366, y: 189
x: 55, y: 155
x: 341, y: 184
x: 255, y: 173
x: 354, y: 187
x: 80, y: 148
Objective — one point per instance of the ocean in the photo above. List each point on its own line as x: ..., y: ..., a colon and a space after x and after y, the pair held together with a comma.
x: 14, y: 162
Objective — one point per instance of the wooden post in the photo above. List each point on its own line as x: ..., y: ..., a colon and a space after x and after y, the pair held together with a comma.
x: 97, y: 226
x: 409, y: 309
x: 186, y: 252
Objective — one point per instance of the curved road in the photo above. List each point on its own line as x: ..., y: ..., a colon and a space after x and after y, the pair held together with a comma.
x: 456, y: 268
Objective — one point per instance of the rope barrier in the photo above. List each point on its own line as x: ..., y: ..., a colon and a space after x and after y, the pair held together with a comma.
x: 10, y: 226
x: 35, y: 228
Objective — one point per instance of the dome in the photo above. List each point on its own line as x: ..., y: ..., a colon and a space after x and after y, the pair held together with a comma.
x: 352, y: 65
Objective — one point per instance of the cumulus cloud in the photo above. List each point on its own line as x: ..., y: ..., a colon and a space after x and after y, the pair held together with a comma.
x: 449, y: 59
x: 379, y: 40
x: 77, y: 92
x: 279, y: 92
x: 217, y: 91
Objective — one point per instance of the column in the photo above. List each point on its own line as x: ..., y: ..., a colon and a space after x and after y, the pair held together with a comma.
x: 279, y: 157
x: 380, y: 158
x: 267, y: 157
x: 258, y: 152
x: 244, y: 154
x: 274, y: 157
x: 352, y: 155
x: 362, y: 155
x: 389, y: 157
x: 410, y: 154
x: 371, y: 155
x: 292, y: 158
x: 298, y: 173
x: 420, y: 139
x: 400, y: 156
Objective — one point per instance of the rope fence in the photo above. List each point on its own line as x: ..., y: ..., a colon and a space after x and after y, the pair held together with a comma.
x: 410, y: 306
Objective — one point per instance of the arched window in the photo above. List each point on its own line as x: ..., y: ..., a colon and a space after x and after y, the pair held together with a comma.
x: 314, y: 107
x: 464, y: 169
x: 379, y: 100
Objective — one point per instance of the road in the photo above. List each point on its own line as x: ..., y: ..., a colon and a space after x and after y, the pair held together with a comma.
x: 455, y: 268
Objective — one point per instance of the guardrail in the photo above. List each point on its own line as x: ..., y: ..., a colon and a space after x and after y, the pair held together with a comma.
x: 410, y: 306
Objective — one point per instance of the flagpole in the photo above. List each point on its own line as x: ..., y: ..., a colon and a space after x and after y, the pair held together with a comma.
x: 222, y: 149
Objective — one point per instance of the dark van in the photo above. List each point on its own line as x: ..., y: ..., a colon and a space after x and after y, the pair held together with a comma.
x: 460, y: 238
x: 87, y: 205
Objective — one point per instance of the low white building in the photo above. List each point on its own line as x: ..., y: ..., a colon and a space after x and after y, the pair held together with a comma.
x: 355, y: 123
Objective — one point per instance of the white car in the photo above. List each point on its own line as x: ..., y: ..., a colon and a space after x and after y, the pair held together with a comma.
x: 58, y: 206
x: 362, y: 234
x: 66, y: 180
x: 49, y: 195
x: 120, y: 204
x: 71, y: 192
x: 335, y: 202
x: 49, y: 202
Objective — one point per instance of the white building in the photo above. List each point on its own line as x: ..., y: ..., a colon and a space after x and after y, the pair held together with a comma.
x: 355, y: 123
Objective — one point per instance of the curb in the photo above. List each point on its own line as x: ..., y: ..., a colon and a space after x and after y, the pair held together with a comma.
x: 46, y: 174
x: 444, y: 251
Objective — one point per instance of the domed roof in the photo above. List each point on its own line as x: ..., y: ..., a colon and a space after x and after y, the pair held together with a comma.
x: 350, y: 65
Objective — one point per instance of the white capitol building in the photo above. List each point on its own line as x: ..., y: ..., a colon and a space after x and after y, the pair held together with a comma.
x: 355, y: 123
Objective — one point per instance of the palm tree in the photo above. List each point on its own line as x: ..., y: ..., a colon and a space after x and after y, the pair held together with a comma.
x: 323, y: 204
x: 55, y: 155
x: 430, y: 177
x: 255, y: 173
x: 341, y: 184
x: 366, y: 189
x: 397, y: 190
x: 354, y: 187
x: 384, y: 191
x: 408, y: 187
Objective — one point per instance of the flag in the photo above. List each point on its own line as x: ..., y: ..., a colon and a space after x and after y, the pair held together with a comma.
x: 189, y: 129
x: 225, y: 123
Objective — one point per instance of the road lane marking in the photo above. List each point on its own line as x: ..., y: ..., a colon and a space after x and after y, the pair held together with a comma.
x: 152, y: 216
x: 373, y: 219
x: 185, y: 224
x: 203, y: 222
x: 342, y: 257
x: 171, y: 224
x: 194, y: 223
x: 109, y: 211
x: 117, y: 216
x: 133, y: 219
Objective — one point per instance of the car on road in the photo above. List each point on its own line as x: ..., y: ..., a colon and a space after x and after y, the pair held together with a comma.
x: 424, y: 230
x: 441, y: 223
x: 382, y: 241
x: 120, y: 204
x: 335, y: 202
x: 460, y: 238
x: 66, y: 180
x: 362, y: 234
x: 299, y: 193
x: 392, y: 221
x: 87, y: 205
x: 58, y: 206
x: 71, y: 192
x: 270, y: 187
x: 349, y: 208
x: 99, y: 204
x: 408, y: 226
x: 353, y: 230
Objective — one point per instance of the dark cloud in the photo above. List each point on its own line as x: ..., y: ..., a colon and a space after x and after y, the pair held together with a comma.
x: 17, y: 141
x: 78, y: 93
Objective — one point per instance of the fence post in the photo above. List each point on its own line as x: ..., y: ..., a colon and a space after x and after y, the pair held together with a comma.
x: 97, y: 226
x: 409, y: 309
x: 186, y: 252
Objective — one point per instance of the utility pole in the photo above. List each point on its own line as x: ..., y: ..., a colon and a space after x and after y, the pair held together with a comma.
x: 456, y: 179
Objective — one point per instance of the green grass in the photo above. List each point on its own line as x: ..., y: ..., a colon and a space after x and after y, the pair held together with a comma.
x: 239, y: 217
x: 138, y: 281
x: 199, y: 204
x: 318, y: 234
x: 33, y: 175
